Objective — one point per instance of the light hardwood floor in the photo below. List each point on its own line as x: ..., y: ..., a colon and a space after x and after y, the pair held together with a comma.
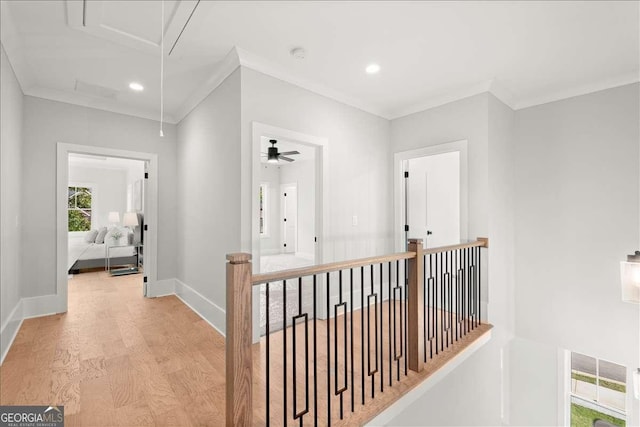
x: 118, y: 359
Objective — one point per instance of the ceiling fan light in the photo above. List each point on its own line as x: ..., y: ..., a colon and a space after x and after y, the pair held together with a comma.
x: 272, y: 160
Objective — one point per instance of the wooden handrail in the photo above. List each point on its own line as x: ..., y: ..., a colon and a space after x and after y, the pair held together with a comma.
x: 327, y: 268
x: 276, y: 276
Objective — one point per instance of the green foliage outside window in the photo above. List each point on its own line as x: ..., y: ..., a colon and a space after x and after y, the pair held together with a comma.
x: 79, y: 208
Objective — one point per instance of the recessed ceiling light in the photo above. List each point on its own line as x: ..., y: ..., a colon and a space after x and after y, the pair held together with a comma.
x: 372, y: 68
x: 137, y: 87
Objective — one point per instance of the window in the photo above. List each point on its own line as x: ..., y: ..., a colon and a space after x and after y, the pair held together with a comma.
x: 263, y: 209
x: 80, y: 199
x: 598, y: 392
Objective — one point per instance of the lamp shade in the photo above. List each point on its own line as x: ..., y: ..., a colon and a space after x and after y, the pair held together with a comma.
x: 130, y: 219
x: 630, y: 278
x: 114, y: 217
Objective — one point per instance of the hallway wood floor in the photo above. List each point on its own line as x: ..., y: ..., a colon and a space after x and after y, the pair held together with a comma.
x: 118, y: 359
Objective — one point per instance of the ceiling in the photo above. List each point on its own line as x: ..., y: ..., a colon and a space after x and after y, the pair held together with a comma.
x: 525, y: 52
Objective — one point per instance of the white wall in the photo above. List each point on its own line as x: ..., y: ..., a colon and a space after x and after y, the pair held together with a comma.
x: 359, y: 182
x: 577, y: 216
x: 270, y: 175
x: 303, y: 174
x: 46, y: 124
x: 477, y: 393
x: 208, y: 202
x: 109, y: 191
x: 11, y: 137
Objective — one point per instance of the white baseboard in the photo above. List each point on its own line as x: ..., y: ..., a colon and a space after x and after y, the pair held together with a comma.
x: 9, y: 330
x: 161, y: 288
x: 205, y: 308
x: 410, y: 397
x: 44, y: 305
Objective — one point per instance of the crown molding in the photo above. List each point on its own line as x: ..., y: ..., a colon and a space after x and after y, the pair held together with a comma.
x: 100, y: 104
x: 226, y: 67
x: 257, y: 63
x: 552, y: 96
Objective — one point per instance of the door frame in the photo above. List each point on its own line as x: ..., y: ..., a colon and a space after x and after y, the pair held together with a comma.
x: 400, y: 161
x: 150, y: 205
x: 321, y: 146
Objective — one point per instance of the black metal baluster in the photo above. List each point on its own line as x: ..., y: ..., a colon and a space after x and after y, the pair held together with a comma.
x: 315, y: 355
x: 268, y: 383
x: 381, y: 332
x: 362, y: 329
x: 389, y: 301
x: 340, y: 391
x: 441, y: 304
x: 425, y: 317
x: 284, y: 348
x: 328, y: 350
x: 406, y: 296
x: 400, y: 303
x: 479, y: 285
x: 300, y: 414
x: 353, y: 384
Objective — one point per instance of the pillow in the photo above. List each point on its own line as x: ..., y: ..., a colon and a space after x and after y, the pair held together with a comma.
x: 122, y: 240
x: 91, y: 235
x: 101, y: 233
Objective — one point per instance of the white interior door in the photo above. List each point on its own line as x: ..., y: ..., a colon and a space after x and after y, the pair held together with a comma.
x: 289, y: 210
x: 433, y: 199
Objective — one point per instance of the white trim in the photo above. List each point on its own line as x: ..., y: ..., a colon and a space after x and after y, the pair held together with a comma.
x: 257, y: 63
x: 564, y: 389
x: 10, y: 329
x: 562, y: 94
x: 399, y: 160
x: 321, y: 146
x: 150, y: 204
x: 103, y: 104
x: 443, y: 98
x: 161, y: 288
x: 414, y: 394
x: 227, y: 66
x: 44, y: 305
x: 202, y: 306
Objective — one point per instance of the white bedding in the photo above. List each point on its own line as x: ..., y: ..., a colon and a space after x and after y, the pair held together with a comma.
x: 81, y: 250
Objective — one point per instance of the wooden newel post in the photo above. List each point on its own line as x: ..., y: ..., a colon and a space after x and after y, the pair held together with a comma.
x: 238, y: 359
x: 415, y: 328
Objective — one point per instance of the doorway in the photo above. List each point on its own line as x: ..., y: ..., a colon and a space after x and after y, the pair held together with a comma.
x: 305, y: 218
x: 430, y: 192
x: 140, y: 198
x: 105, y: 217
x: 432, y: 199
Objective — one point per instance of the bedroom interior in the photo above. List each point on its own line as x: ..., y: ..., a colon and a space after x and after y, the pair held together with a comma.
x: 106, y: 215
x: 544, y: 95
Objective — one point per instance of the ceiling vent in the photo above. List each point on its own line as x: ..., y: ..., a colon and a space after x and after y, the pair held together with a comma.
x: 95, y: 90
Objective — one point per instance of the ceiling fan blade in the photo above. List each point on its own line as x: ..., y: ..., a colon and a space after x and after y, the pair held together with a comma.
x: 288, y: 153
x: 286, y: 159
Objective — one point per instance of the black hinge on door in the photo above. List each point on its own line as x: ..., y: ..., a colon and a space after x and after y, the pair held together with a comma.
x: 406, y: 174
x: 144, y: 279
x: 285, y: 220
x: 146, y: 227
x: 406, y: 228
x: 285, y: 194
x: 285, y: 245
x: 146, y: 175
x: 315, y: 239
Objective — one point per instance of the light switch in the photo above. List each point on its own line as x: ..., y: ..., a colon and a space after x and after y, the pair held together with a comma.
x: 354, y: 220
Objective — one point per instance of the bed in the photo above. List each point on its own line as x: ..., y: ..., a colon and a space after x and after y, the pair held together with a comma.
x: 84, y: 255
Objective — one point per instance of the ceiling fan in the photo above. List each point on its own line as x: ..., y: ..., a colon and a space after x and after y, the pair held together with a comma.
x: 273, y: 156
